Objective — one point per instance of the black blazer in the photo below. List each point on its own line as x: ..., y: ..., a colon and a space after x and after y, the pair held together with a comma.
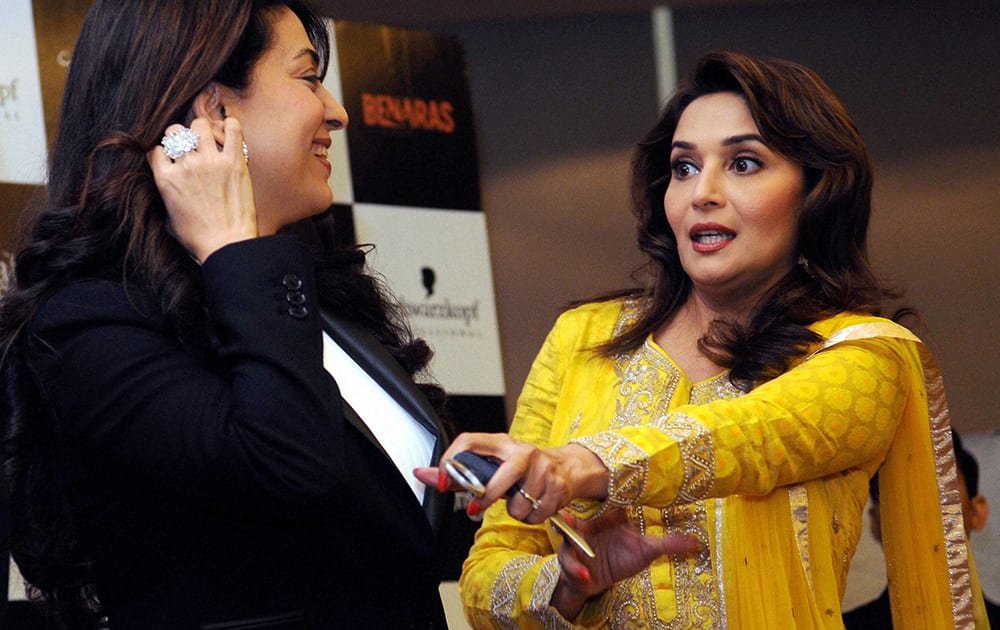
x: 224, y: 483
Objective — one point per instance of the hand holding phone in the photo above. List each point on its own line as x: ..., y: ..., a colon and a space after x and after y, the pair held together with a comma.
x: 473, y: 471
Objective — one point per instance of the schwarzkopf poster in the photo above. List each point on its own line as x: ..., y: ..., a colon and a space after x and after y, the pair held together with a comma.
x: 415, y: 195
x: 36, y: 43
x: 413, y: 191
x: 22, y: 119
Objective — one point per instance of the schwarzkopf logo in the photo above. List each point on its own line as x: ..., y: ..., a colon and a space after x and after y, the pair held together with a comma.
x: 441, y: 310
x: 8, y: 99
x: 428, y: 278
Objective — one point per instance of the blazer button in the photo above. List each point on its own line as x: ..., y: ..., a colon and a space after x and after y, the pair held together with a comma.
x: 296, y: 298
x: 298, y: 312
x: 292, y: 282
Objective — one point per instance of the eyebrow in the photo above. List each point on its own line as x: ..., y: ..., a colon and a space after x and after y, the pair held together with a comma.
x: 731, y: 140
x: 308, y: 52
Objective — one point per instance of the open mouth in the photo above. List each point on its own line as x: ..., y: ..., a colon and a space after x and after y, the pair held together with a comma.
x: 712, y: 237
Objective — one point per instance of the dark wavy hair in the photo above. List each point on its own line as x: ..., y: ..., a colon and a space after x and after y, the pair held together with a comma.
x: 136, y: 69
x: 801, y: 119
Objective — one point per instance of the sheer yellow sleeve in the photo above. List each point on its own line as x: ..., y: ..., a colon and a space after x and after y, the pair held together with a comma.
x: 835, y: 411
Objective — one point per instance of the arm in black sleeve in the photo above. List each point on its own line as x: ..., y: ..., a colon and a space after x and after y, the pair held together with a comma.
x: 256, y: 427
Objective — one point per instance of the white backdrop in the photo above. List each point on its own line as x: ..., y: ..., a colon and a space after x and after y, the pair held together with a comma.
x: 22, y: 120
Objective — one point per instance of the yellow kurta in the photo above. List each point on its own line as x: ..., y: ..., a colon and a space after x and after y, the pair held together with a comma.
x: 772, y: 482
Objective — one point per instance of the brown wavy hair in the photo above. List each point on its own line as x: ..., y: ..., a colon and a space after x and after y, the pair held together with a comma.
x: 801, y: 119
x: 136, y: 69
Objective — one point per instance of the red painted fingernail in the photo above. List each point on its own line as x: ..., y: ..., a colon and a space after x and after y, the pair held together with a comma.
x: 583, y: 573
x: 473, y: 509
x: 442, y: 481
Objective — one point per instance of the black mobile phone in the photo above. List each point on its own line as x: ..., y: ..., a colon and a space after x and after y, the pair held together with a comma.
x: 473, y: 471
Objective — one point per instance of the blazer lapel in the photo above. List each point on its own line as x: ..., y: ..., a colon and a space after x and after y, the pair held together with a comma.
x: 376, y: 360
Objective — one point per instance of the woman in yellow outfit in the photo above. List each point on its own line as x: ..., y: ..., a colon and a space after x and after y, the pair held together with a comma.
x: 714, y: 432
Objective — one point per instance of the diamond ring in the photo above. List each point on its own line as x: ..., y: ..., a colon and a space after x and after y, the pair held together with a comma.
x: 178, y: 142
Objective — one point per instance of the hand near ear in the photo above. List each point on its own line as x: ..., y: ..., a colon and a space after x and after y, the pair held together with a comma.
x: 207, y: 191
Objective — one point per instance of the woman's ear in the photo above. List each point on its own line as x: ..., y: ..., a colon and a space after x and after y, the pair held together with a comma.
x: 210, y: 104
x: 980, y: 512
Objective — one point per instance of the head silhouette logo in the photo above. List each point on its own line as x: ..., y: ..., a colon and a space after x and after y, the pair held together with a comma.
x: 428, y: 277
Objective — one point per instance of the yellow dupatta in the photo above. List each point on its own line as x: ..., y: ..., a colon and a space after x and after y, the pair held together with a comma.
x: 931, y: 582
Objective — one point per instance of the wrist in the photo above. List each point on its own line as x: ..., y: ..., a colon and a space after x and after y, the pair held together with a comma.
x: 591, y: 477
x: 568, y: 598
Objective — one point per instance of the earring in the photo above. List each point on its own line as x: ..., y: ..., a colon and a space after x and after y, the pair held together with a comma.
x: 246, y: 153
x: 805, y: 265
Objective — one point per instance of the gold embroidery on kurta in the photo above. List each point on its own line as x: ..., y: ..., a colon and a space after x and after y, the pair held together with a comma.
x: 695, y: 582
x: 718, y: 388
x: 798, y: 502
x: 504, y: 596
x: 647, y: 384
x: 627, y: 463
x: 697, y: 454
x: 723, y: 620
x: 541, y: 595
x: 647, y: 381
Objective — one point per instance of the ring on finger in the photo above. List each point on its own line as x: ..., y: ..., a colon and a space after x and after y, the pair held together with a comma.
x: 535, y: 503
x: 177, y: 142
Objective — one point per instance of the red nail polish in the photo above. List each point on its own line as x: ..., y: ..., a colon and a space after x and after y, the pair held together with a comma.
x: 583, y: 574
x: 473, y: 509
x: 442, y: 481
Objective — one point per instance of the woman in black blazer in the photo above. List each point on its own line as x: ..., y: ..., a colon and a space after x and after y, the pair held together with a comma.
x: 192, y: 440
